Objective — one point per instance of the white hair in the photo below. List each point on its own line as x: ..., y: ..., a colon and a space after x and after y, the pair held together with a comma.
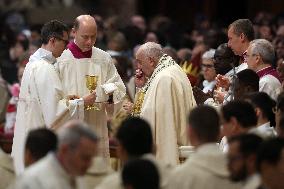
x: 153, y: 50
x: 264, y: 49
x: 72, y: 131
x: 209, y: 54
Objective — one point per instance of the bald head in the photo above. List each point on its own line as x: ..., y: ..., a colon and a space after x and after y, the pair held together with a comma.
x: 84, y: 20
x: 85, y: 32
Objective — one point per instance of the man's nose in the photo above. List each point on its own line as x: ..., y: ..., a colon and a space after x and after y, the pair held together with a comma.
x: 229, y: 44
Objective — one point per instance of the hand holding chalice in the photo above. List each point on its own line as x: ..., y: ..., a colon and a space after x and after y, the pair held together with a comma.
x: 91, y: 84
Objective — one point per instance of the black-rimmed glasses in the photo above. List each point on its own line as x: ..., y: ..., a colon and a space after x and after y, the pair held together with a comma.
x: 61, y: 39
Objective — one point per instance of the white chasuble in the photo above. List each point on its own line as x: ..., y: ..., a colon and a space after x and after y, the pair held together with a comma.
x: 41, y: 102
x: 166, y: 105
x: 72, y: 73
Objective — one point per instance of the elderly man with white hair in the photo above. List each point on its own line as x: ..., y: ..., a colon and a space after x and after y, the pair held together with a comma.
x: 261, y: 56
x: 164, y: 99
x: 208, y: 71
x: 77, y: 145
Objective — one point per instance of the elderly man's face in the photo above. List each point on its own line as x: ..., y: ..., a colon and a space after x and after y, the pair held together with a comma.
x: 208, y: 69
x: 145, y: 63
x: 80, y: 158
x: 251, y: 59
x: 85, y: 35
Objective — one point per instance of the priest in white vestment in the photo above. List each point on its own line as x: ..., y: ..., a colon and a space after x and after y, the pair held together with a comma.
x: 81, y: 59
x: 164, y: 100
x: 42, y: 102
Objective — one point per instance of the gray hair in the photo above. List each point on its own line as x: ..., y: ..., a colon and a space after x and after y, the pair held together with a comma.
x: 244, y: 26
x: 209, y: 54
x: 153, y: 50
x: 263, y: 48
x: 73, y: 131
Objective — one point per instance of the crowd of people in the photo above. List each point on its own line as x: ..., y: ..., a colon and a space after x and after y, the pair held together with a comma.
x: 216, y: 91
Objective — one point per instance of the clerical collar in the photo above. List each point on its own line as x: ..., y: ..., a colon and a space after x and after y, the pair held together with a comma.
x: 77, y: 52
x: 42, y: 53
x: 244, y: 57
x: 164, y: 62
x: 269, y: 70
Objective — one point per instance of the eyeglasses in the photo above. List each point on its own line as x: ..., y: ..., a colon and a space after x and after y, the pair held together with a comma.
x: 207, y: 66
x: 61, y: 39
x: 251, y: 55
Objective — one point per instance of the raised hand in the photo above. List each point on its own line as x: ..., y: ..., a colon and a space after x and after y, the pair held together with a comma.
x: 223, y: 81
x: 128, y: 107
x: 140, y: 78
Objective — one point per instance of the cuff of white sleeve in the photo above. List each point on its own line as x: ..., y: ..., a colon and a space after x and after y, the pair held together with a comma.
x: 77, y: 108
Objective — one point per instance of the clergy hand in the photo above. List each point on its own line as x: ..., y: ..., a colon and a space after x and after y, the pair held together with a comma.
x: 72, y: 97
x: 128, y: 107
x: 90, y: 99
x: 223, y: 81
x: 200, y: 96
x: 219, y: 95
x: 140, y: 78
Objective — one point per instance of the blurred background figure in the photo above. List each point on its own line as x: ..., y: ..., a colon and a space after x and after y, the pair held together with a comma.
x: 270, y: 163
x: 140, y: 174
x: 39, y: 143
x: 208, y: 71
x: 242, y: 157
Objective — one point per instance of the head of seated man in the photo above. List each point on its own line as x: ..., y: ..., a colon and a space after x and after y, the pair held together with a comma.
x: 39, y: 142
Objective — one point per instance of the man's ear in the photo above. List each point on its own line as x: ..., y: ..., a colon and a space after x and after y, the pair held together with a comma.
x: 234, y: 123
x: 257, y: 111
x: 258, y: 59
x: 152, y: 61
x: 51, y: 40
x: 73, y: 31
x: 242, y: 37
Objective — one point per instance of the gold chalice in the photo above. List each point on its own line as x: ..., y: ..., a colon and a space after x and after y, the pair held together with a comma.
x: 91, y: 83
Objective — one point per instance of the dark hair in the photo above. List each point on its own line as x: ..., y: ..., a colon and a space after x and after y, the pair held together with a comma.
x: 280, y: 102
x: 51, y: 29
x: 248, y: 78
x: 214, y: 37
x: 265, y: 103
x: 242, y: 111
x: 207, y: 129
x: 281, y: 122
x: 244, y: 26
x: 248, y: 143
x: 140, y: 174
x: 270, y: 152
x: 41, y: 141
x: 135, y: 136
x: 224, y: 59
